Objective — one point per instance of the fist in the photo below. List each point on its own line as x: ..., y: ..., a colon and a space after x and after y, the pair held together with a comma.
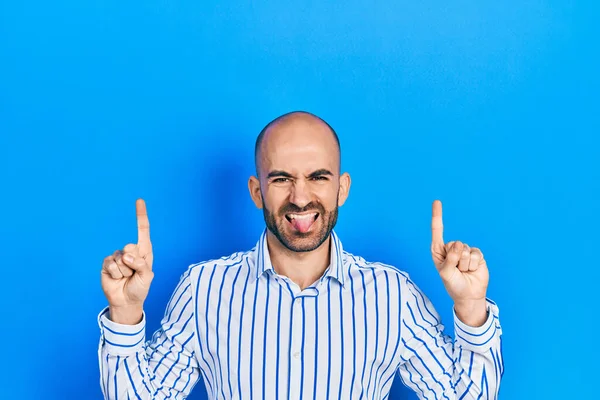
x: 462, y: 268
x: 126, y: 274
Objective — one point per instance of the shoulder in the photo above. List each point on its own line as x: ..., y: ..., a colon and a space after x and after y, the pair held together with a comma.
x: 233, y: 262
x: 404, y: 286
x: 357, y: 264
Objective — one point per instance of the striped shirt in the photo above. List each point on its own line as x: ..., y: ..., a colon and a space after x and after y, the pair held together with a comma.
x: 253, y: 334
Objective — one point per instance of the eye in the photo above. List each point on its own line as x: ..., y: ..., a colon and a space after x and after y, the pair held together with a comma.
x: 320, y: 178
x: 280, y: 180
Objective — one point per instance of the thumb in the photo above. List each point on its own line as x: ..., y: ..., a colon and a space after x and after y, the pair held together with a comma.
x: 448, y: 268
x: 138, y: 264
x: 143, y: 276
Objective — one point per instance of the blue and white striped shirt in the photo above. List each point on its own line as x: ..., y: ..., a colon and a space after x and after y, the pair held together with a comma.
x: 253, y: 334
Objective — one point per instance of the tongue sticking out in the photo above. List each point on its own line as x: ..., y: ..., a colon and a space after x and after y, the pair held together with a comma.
x: 303, y: 224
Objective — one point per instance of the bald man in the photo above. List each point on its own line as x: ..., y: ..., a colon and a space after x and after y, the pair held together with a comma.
x: 297, y: 316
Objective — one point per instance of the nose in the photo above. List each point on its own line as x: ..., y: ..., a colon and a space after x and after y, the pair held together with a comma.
x: 300, y: 194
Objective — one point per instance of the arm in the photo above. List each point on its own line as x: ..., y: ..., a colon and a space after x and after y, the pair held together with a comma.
x: 437, y: 367
x: 165, y: 366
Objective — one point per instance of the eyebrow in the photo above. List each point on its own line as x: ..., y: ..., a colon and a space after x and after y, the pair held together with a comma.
x: 280, y: 173
x: 320, y: 172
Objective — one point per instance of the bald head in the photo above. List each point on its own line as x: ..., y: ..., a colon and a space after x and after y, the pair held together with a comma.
x: 299, y: 128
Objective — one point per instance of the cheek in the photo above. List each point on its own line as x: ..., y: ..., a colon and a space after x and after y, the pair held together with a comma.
x: 328, y: 197
x: 274, y: 199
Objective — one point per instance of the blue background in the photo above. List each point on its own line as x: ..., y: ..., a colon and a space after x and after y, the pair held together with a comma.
x: 491, y: 107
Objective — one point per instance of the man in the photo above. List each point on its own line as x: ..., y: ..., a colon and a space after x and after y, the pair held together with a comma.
x: 297, y: 317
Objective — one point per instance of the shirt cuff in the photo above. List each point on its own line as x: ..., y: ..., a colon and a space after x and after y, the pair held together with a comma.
x: 121, y: 339
x: 477, y: 339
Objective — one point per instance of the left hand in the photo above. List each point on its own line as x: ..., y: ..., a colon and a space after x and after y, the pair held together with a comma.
x: 462, y: 268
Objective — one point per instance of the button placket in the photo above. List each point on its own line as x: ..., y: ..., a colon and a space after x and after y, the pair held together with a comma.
x: 296, y: 348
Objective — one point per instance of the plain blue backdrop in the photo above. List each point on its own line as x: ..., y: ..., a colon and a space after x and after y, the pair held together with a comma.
x: 491, y: 107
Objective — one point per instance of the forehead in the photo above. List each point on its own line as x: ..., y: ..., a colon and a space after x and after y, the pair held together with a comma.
x: 301, y: 145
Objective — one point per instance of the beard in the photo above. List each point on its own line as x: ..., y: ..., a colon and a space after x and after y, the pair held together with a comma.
x: 298, y: 241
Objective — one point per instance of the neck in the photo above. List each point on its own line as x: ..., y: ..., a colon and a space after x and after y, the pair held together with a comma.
x: 303, y: 268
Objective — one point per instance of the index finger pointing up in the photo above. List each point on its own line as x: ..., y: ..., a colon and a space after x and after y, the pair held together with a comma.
x: 142, y: 222
x: 437, y: 226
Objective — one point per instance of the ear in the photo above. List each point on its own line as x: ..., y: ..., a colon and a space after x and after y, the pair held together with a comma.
x: 254, y: 188
x: 345, y: 182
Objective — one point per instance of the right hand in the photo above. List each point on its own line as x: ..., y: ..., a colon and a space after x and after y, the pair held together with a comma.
x: 127, y: 274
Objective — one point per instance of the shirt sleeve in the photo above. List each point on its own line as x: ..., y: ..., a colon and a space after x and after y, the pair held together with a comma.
x: 436, y: 367
x: 163, y: 367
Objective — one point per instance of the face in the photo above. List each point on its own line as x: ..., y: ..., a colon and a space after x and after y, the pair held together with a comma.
x: 299, y: 186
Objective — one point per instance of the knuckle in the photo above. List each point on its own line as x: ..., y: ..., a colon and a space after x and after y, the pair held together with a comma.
x: 130, y: 248
x: 114, y: 272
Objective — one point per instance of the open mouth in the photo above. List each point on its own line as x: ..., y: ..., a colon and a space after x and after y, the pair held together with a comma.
x: 302, y: 222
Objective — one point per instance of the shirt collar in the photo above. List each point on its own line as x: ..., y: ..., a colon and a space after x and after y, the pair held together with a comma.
x: 336, y: 263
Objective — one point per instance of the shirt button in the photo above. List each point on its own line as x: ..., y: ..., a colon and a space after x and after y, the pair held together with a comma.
x: 297, y: 355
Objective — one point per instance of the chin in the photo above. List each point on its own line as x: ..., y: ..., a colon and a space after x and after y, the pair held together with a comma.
x: 302, y: 242
x: 301, y: 246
